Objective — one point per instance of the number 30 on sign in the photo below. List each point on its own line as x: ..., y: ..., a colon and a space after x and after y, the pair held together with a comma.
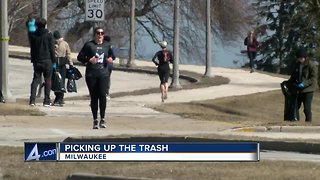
x: 94, y: 10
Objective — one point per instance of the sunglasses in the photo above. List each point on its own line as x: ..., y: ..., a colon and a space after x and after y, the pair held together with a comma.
x: 99, y: 33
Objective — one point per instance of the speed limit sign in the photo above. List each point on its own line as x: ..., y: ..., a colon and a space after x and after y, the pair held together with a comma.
x: 94, y: 10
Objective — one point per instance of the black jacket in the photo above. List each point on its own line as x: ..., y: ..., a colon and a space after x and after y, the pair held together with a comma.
x: 42, y: 46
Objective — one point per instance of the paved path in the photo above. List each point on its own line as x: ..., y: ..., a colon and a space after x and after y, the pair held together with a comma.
x: 129, y: 115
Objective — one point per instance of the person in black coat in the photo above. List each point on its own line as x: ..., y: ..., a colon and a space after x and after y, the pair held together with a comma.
x: 43, y: 59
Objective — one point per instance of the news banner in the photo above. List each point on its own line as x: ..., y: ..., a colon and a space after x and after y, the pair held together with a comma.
x: 141, y: 151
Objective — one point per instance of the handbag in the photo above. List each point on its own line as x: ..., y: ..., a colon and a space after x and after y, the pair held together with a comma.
x: 73, y: 73
x: 71, y: 85
x: 57, y: 82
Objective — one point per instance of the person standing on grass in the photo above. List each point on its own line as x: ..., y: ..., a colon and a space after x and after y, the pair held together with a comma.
x: 304, y: 78
x: 164, y: 57
x: 96, y: 55
x: 63, y: 55
x: 252, y: 44
x: 43, y: 59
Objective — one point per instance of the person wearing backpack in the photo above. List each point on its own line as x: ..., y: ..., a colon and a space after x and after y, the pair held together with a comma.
x: 252, y: 44
x: 164, y: 57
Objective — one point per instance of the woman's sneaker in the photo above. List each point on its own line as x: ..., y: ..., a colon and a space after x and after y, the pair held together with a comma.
x: 95, y: 124
x: 102, y: 123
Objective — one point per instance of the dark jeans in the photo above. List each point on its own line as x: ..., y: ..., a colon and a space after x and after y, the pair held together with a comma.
x: 252, y: 56
x: 40, y: 68
x: 306, y: 99
x: 98, y: 88
x: 59, y: 95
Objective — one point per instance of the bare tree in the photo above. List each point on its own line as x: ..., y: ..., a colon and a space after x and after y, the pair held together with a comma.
x: 16, y: 10
x: 229, y: 20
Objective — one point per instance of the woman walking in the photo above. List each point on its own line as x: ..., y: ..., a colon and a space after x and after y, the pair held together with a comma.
x: 252, y: 45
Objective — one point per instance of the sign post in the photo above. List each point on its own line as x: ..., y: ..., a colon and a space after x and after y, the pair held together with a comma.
x: 94, y: 10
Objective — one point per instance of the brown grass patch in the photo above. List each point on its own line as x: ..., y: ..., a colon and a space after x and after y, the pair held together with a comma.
x: 254, y: 109
x: 13, y: 167
x: 19, y: 109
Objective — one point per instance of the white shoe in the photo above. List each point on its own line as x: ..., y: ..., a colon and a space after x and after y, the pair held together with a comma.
x: 102, y: 123
x: 108, y: 97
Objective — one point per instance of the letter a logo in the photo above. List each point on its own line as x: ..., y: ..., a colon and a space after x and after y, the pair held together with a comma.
x: 34, y: 154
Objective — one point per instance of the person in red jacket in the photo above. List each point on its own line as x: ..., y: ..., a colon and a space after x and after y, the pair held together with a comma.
x: 252, y: 45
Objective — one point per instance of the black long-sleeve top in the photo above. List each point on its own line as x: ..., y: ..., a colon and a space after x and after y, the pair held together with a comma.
x: 102, y: 52
x: 163, y: 56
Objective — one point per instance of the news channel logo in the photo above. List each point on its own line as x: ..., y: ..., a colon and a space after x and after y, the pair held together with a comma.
x: 35, y: 151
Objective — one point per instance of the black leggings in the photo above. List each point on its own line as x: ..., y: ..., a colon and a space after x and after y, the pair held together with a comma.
x: 97, y: 88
